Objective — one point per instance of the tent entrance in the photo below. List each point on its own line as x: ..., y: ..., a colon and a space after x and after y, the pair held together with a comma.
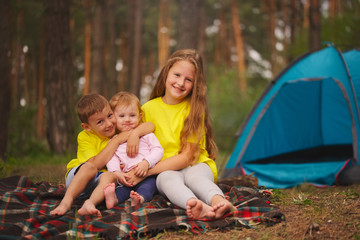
x: 331, y: 153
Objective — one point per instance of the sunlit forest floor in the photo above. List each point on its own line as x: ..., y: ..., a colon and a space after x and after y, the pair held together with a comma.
x: 310, y: 212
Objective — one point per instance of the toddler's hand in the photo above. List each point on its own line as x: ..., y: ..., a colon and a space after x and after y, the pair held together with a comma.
x: 132, y: 179
x: 142, y: 168
x: 123, y: 179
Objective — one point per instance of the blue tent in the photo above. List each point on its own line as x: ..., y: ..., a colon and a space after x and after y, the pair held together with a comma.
x: 306, y: 125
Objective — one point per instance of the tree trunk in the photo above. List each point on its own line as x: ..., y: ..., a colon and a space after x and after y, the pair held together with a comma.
x: 306, y: 14
x: 284, y: 15
x: 223, y: 41
x: 5, y: 87
x: 293, y: 21
x: 40, y: 118
x: 315, y: 25
x: 98, y: 74
x: 164, y: 23
x: 123, y: 80
x: 60, y: 102
x: 333, y: 8
x: 135, y: 70
x: 202, y: 34
x: 112, y: 51
x: 18, y: 60
x: 87, y: 47
x: 26, y: 79
x: 239, y: 46
x: 272, y: 25
x: 189, y: 23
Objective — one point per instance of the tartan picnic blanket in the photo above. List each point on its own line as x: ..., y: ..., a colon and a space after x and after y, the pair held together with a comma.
x: 25, y: 208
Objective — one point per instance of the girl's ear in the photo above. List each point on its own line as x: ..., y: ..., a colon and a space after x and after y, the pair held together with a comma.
x: 86, y: 127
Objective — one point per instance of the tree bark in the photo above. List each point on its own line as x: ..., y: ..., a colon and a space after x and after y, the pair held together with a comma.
x: 123, y: 80
x: 59, y: 94
x: 306, y: 14
x: 239, y: 46
x: 189, y: 23
x: 223, y: 41
x: 315, y: 25
x: 111, y: 48
x: 164, y: 23
x: 272, y: 25
x: 135, y: 69
x: 98, y: 74
x: 40, y: 116
x: 5, y: 87
x: 18, y: 60
x: 284, y: 16
x: 293, y: 21
x: 333, y: 8
x: 87, y: 47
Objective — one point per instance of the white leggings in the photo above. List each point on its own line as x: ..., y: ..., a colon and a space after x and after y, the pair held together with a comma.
x: 192, y: 182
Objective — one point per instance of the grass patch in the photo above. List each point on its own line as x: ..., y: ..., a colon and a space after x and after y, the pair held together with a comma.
x: 44, y: 167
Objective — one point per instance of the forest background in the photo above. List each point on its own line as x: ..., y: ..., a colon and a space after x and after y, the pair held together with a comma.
x: 53, y: 52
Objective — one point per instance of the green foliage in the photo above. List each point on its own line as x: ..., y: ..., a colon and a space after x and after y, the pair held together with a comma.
x: 343, y: 31
x: 6, y: 167
x: 228, y: 106
x: 302, y: 199
x: 350, y: 193
x: 22, y: 137
x: 23, y: 141
x: 278, y: 196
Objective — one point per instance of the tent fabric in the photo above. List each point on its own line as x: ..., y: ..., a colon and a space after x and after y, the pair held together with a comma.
x: 308, y: 110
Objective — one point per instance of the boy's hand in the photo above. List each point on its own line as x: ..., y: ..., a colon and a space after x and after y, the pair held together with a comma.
x: 132, y: 147
x: 142, y: 168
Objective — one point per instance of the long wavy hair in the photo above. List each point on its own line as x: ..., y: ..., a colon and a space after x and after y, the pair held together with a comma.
x: 199, y: 112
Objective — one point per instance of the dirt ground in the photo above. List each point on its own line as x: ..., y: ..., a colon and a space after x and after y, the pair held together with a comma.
x: 310, y: 212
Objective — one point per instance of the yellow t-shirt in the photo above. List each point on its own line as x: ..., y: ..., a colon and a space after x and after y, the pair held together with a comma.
x: 89, y: 145
x: 169, y: 121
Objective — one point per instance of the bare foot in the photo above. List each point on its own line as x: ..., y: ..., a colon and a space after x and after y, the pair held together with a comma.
x: 197, y: 209
x: 136, y: 199
x: 61, y: 209
x: 221, y: 206
x: 88, y: 208
x: 110, y: 196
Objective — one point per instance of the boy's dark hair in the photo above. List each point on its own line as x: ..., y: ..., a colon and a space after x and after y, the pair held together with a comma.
x: 90, y: 104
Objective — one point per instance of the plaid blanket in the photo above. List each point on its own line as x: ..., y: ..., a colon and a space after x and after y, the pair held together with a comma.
x: 25, y: 208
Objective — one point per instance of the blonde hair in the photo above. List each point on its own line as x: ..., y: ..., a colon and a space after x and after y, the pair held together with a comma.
x: 124, y: 99
x: 89, y: 105
x: 199, y: 112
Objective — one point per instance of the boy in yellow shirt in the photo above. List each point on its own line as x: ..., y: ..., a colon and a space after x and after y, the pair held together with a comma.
x: 86, y: 175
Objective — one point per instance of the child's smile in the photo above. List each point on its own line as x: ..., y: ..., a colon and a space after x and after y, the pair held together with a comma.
x: 179, y: 82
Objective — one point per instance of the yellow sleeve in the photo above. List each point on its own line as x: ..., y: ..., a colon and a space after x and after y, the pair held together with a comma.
x: 86, y: 148
x: 89, y: 145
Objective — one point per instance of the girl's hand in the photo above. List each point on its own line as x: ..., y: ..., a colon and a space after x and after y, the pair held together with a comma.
x: 132, y: 147
x: 132, y: 179
x: 141, y: 169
